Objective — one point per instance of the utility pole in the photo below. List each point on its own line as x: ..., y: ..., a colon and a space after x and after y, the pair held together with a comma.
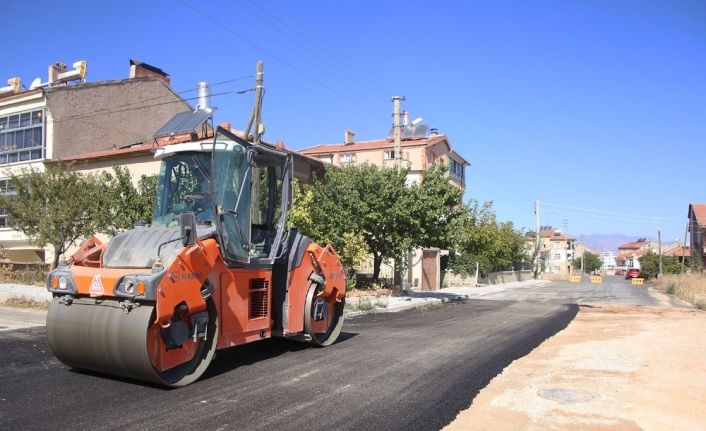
x: 537, y: 266
x: 583, y: 252
x: 256, y: 115
x: 659, y: 250
x: 683, y: 248
x: 397, y: 129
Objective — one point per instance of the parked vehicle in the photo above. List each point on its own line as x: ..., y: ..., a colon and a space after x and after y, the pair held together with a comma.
x: 619, y: 272
x: 633, y: 273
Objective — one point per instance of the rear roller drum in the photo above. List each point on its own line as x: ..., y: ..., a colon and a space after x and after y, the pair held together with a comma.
x: 323, y: 317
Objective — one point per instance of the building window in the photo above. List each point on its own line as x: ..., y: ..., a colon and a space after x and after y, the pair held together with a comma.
x: 557, y: 257
x: 347, y: 158
x: 7, y: 191
x: 388, y: 155
x: 456, y: 170
x: 22, y: 137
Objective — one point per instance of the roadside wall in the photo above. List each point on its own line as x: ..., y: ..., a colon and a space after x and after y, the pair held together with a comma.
x: 458, y: 280
x: 506, y: 277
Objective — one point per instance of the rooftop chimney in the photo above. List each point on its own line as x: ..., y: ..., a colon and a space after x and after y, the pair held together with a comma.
x: 139, y: 69
x: 405, y: 118
x: 348, y: 137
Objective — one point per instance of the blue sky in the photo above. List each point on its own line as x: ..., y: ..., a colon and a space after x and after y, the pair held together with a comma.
x: 598, y: 108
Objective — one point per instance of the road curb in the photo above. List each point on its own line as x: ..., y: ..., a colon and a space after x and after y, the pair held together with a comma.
x: 449, y: 295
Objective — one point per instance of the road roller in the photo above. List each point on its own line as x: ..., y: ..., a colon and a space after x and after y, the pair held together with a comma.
x: 216, y: 267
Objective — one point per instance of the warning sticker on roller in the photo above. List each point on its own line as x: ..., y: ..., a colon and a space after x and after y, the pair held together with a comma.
x: 96, y: 287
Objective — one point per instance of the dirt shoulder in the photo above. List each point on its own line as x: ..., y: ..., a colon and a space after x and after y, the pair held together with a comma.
x: 612, y: 368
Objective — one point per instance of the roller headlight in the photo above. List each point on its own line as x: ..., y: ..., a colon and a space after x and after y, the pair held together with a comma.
x: 129, y: 287
x: 132, y: 286
x: 60, y: 282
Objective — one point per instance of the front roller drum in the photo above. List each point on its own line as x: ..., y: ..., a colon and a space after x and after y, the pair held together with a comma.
x: 100, y: 336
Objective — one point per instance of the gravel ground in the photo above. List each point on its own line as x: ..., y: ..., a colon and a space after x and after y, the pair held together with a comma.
x: 615, y: 367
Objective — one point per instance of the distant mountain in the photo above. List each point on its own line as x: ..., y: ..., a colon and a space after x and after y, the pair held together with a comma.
x: 598, y: 242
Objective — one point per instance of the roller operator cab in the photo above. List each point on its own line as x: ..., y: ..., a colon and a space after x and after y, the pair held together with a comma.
x: 216, y: 268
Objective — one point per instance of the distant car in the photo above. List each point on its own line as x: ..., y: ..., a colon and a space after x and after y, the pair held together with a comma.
x: 619, y: 272
x: 633, y: 273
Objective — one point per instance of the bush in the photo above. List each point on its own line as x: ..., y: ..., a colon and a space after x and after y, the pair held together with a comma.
x: 28, y: 274
x: 350, y: 285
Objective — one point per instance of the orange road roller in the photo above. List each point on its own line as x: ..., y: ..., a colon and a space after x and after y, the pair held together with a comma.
x: 216, y: 268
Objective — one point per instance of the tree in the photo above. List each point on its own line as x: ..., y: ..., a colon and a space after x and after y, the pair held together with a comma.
x: 378, y: 205
x: 437, y: 205
x: 591, y: 262
x: 481, y: 238
x: 124, y: 204
x: 649, y: 265
x: 365, y: 200
x: 57, y: 206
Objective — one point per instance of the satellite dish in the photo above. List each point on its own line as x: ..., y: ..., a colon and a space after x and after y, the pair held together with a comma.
x: 36, y: 83
x: 417, y: 121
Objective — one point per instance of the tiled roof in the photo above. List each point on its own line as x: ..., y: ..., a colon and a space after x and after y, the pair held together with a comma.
x: 550, y: 234
x: 371, y: 145
x: 631, y: 253
x: 634, y: 245
x: 679, y: 251
x: 132, y: 150
x: 147, y: 148
x: 699, y: 211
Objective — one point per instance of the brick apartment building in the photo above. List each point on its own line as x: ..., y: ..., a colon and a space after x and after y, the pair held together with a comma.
x: 66, y: 117
x: 421, y: 148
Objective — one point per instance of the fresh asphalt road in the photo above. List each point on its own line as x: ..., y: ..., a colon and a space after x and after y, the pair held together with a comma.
x: 410, y: 370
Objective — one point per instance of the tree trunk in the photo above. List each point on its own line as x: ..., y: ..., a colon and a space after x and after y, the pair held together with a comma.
x: 377, y: 261
x: 58, y: 249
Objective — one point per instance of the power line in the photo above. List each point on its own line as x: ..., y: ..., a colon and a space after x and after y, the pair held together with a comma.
x: 590, y: 210
x: 280, y: 28
x: 186, y: 91
x: 332, y: 51
x: 278, y: 58
x: 97, y: 114
x: 609, y: 217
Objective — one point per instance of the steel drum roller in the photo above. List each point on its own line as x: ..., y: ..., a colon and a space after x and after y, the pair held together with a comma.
x: 100, y: 336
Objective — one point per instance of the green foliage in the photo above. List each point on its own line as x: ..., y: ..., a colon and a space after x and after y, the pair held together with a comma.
x: 123, y: 203
x: 479, y: 237
x: 591, y: 262
x: 299, y: 215
x: 649, y: 265
x: 60, y: 206
x: 353, y: 251
x: 437, y: 204
x: 57, y: 206
x: 376, y: 204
